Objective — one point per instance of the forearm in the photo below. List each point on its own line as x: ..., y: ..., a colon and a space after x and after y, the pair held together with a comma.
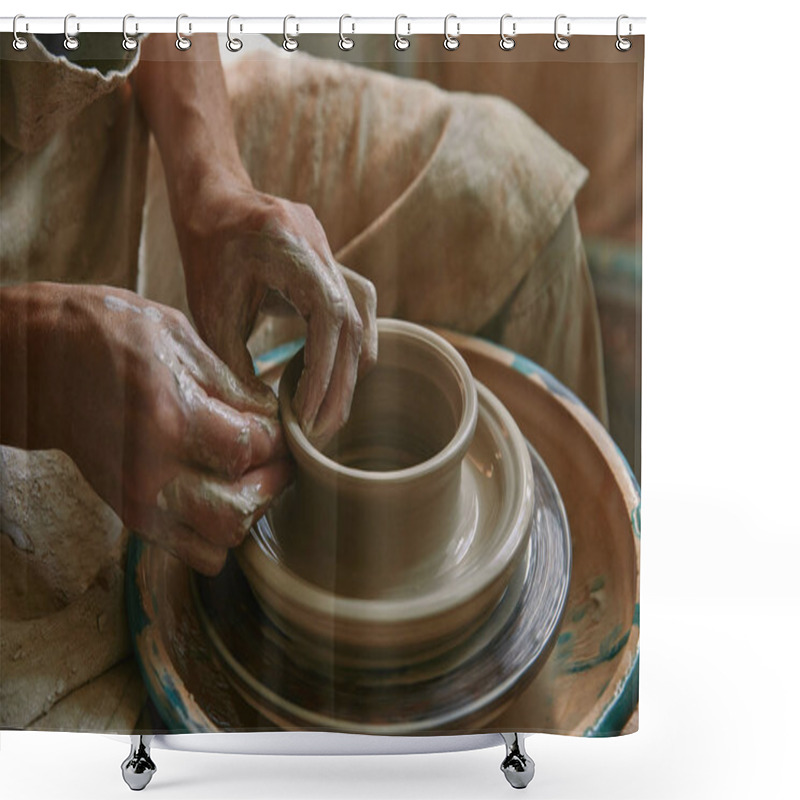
x: 185, y: 101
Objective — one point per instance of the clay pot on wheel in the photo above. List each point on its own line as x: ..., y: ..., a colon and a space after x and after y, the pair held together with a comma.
x: 404, y: 529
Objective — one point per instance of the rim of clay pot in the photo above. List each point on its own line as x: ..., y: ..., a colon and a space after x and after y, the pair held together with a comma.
x: 454, y: 450
x: 439, y: 601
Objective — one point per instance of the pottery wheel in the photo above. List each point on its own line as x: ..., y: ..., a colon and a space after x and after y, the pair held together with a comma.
x: 288, y: 684
x: 584, y: 681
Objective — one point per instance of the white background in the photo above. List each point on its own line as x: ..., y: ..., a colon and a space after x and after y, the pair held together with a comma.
x: 720, y: 545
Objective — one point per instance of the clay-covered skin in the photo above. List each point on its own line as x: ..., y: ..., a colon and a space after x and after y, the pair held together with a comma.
x: 245, y: 251
x: 182, y: 450
x: 267, y: 253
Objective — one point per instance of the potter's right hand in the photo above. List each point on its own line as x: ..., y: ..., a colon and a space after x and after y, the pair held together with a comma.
x: 183, y: 451
x: 246, y: 253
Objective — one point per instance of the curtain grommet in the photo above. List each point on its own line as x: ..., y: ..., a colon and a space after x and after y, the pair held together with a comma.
x: 71, y: 42
x: 19, y: 43
x: 128, y: 42
x: 451, y: 42
x: 345, y: 42
x: 401, y: 42
x: 290, y: 44
x: 233, y: 44
x: 181, y: 42
x: 561, y: 43
x: 507, y: 42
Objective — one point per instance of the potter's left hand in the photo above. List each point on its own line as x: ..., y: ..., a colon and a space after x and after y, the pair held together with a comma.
x: 245, y: 252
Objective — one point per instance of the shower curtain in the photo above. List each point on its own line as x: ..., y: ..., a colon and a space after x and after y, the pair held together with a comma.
x: 176, y: 225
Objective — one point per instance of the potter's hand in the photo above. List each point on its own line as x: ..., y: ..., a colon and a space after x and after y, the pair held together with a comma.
x: 245, y: 252
x: 184, y: 452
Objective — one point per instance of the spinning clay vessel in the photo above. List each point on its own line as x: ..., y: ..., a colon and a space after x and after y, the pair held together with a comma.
x: 403, y: 530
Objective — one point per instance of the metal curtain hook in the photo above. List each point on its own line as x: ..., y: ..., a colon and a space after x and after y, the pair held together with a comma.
x: 506, y: 41
x: 623, y: 44
x: 290, y: 44
x: 400, y: 42
x: 561, y: 43
x: 19, y: 43
x: 344, y: 42
x: 451, y: 42
x: 70, y: 42
x: 181, y: 42
x: 128, y: 43
x: 233, y: 44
